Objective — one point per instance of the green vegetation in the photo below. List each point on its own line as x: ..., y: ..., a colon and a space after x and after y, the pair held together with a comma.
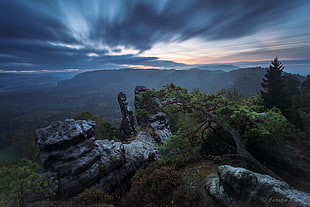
x: 273, y: 92
x: 20, y: 182
x: 163, y: 186
x: 178, y: 150
x: 196, y: 115
x: 268, y: 126
x: 94, y: 196
x: 153, y: 187
x: 206, y: 127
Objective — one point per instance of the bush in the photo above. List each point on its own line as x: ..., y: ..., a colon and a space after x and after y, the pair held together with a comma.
x: 178, y: 150
x: 94, y: 196
x: 153, y: 187
x: 20, y: 182
x: 269, y: 126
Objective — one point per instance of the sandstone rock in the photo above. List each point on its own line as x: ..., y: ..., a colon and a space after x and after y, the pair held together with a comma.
x: 160, y: 126
x: 127, y: 127
x: 120, y: 167
x: 68, y: 149
x: 157, y: 121
x: 242, y: 187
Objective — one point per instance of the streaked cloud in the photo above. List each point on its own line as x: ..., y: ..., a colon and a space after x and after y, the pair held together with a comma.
x: 96, y: 34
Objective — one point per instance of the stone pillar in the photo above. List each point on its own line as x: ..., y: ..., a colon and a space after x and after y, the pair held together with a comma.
x: 127, y: 127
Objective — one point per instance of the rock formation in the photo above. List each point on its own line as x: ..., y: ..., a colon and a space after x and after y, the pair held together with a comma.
x: 160, y: 126
x: 68, y: 150
x: 238, y: 187
x: 127, y: 127
x: 155, y: 120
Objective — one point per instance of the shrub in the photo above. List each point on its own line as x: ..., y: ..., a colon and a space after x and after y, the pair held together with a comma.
x: 179, y: 149
x: 153, y: 187
x: 20, y: 182
x: 94, y: 196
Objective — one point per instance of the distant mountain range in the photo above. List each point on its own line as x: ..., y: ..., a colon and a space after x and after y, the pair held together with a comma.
x: 10, y: 82
x: 247, y: 81
x: 96, y: 91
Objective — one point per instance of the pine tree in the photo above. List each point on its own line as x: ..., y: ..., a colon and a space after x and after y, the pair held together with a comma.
x: 273, y: 92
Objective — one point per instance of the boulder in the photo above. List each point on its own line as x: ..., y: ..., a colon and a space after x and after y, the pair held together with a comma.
x: 241, y: 187
x: 67, y: 150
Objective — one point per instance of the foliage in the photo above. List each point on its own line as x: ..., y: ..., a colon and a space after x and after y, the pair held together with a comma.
x: 178, y: 150
x: 23, y: 142
x: 94, y: 196
x: 273, y: 92
x: 104, y: 130
x: 234, y: 95
x: 20, y: 182
x: 153, y: 187
x: 192, y: 123
x: 269, y: 126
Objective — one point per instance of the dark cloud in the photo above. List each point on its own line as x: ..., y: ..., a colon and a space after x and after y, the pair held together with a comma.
x: 143, y: 24
x: 35, y: 33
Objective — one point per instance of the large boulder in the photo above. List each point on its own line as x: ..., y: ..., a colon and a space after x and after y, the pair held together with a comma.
x: 237, y: 187
x: 69, y: 151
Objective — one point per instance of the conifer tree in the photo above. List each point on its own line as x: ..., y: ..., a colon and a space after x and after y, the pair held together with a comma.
x: 273, y: 92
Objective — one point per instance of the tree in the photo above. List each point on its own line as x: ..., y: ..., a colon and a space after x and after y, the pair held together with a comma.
x: 243, y: 121
x: 23, y: 142
x: 20, y: 181
x: 273, y: 92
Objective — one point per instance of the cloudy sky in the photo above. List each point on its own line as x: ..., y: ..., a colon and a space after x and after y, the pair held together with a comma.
x: 58, y: 35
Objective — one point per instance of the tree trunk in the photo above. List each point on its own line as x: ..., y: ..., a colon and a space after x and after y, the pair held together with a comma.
x: 241, y: 146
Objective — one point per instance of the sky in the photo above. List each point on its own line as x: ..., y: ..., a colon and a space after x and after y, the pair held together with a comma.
x: 81, y: 35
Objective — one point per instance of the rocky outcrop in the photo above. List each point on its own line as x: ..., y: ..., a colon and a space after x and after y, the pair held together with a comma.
x: 153, y: 119
x: 160, y: 126
x: 237, y: 187
x: 69, y: 151
x: 127, y: 127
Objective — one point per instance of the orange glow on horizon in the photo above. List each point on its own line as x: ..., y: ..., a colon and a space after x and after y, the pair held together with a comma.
x: 142, y: 66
